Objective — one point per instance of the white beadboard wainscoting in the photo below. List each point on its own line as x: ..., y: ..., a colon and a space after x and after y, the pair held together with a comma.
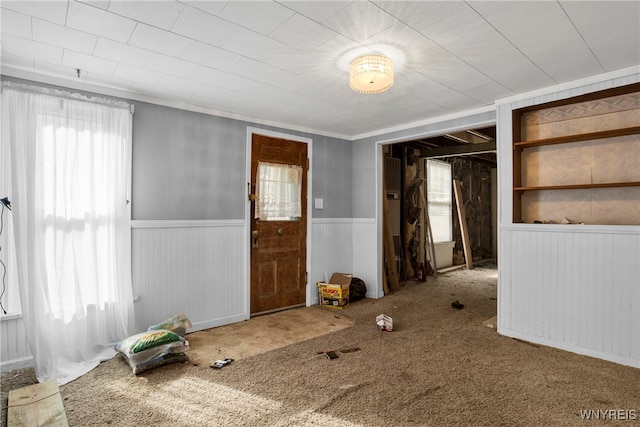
x: 343, y: 245
x: 199, y: 267
x: 14, y: 349
x: 367, y: 256
x: 195, y: 267
x: 331, y: 251
x: 574, y: 287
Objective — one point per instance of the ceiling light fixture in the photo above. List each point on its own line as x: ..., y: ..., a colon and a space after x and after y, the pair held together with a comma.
x: 371, y: 73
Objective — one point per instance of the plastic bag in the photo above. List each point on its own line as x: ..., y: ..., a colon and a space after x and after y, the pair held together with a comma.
x: 178, y: 324
x: 145, y: 346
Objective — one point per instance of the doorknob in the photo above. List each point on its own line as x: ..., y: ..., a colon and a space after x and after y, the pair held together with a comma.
x: 254, y: 239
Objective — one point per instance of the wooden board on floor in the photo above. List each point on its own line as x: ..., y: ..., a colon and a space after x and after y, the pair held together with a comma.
x: 462, y: 217
x: 36, y: 405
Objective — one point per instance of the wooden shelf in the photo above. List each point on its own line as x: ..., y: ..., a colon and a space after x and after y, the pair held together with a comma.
x: 577, y: 138
x: 609, y: 120
x: 579, y: 186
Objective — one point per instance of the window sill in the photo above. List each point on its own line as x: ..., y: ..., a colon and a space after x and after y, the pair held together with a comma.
x: 10, y: 317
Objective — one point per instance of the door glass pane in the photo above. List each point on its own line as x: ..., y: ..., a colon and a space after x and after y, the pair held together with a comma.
x: 278, y: 192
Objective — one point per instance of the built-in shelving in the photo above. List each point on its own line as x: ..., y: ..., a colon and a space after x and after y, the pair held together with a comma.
x: 563, y: 148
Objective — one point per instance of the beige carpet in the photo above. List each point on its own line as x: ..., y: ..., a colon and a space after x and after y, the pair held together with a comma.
x: 440, y: 367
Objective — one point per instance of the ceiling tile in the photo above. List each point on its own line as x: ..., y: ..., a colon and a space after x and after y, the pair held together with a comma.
x: 254, y: 45
x: 159, y: 41
x: 107, y: 81
x: 30, y: 49
x: 319, y: 11
x: 121, y: 52
x: 136, y: 74
x: 99, y: 22
x: 102, y: 4
x: 360, y: 21
x: 93, y: 64
x: 161, y: 14
x: 60, y: 36
x: 16, y: 24
x: 58, y: 71
x: 53, y: 10
x: 212, y: 7
x: 199, y: 25
x: 260, y: 16
x: 255, y: 70
x: 604, y: 25
x: 547, y: 37
x: 302, y: 33
x: 209, y: 56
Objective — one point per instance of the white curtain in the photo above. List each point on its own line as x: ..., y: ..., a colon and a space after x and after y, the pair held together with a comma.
x: 70, y: 169
x: 278, y: 191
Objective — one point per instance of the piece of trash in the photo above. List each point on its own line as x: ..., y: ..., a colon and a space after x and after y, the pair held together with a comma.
x: 385, y: 322
x: 331, y: 354
x: 350, y: 350
x: 457, y: 304
x: 221, y: 363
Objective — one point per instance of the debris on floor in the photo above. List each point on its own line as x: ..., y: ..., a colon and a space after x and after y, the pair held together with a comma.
x: 491, y: 323
x: 384, y: 322
x: 331, y: 354
x: 349, y: 350
x: 221, y: 363
x: 457, y: 304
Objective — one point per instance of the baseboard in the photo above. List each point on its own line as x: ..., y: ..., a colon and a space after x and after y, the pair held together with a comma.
x: 598, y: 354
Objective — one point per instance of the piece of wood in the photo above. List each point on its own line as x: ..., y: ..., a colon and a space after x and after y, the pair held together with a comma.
x: 452, y: 268
x: 389, y: 250
x: 432, y: 247
x: 36, y: 405
x: 462, y: 218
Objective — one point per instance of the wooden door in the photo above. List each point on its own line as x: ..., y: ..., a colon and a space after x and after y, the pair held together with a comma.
x: 278, y: 247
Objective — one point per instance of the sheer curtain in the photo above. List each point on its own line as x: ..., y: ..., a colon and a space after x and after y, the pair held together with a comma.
x: 70, y: 169
x: 278, y: 191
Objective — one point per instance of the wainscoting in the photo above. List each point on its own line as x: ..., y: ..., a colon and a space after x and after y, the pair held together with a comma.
x: 195, y: 267
x: 572, y: 287
x: 200, y: 268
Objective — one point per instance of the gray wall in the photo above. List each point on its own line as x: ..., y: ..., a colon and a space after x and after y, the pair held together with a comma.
x: 191, y: 166
x: 186, y: 165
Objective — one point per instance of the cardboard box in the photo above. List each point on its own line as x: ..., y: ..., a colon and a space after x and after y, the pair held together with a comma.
x: 335, y: 294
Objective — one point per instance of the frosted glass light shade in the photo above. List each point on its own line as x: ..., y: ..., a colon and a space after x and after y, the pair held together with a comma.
x: 371, y: 73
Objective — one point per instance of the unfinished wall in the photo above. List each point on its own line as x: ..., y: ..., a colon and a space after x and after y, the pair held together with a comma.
x: 475, y: 182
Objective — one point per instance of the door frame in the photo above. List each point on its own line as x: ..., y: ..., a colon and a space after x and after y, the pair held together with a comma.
x: 247, y: 210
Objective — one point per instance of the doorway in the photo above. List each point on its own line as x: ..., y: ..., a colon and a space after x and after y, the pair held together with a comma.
x: 278, y: 223
x: 470, y: 158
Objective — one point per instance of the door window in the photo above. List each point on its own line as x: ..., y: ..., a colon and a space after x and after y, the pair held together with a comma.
x: 278, y: 192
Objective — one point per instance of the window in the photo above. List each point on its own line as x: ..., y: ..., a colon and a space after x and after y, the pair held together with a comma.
x: 440, y: 202
x: 278, y: 192
x: 68, y: 180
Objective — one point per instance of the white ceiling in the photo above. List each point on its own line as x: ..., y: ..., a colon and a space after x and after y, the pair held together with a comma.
x: 286, y: 62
